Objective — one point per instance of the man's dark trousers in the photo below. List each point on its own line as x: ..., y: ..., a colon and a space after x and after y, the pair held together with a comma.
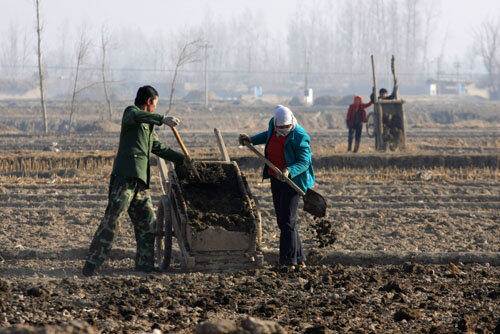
x: 286, y: 202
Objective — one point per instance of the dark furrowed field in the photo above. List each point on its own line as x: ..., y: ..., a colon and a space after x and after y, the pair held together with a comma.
x: 399, y: 220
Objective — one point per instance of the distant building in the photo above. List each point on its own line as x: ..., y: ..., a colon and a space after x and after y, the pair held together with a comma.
x: 308, y: 97
x: 452, y: 86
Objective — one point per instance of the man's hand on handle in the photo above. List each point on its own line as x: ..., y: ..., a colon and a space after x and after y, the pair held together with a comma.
x: 188, y: 162
x: 171, y: 121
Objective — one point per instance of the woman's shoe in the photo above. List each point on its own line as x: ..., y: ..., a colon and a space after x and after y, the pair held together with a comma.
x: 284, y: 268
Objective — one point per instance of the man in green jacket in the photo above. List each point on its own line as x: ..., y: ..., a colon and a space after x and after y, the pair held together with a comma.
x: 129, y: 184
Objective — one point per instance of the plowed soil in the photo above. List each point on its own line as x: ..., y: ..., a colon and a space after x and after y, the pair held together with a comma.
x: 51, y: 207
x: 383, y: 299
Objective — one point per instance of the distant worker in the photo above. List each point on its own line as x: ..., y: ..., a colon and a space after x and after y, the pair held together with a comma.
x: 356, y: 116
x: 382, y: 94
x: 288, y: 147
x: 129, y: 184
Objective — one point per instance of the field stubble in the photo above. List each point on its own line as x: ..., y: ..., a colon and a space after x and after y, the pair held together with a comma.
x: 48, y: 223
x: 50, y: 210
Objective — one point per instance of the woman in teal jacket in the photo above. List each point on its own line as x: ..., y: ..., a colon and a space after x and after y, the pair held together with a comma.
x: 287, y: 146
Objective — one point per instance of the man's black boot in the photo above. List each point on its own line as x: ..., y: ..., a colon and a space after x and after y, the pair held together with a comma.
x: 88, y: 269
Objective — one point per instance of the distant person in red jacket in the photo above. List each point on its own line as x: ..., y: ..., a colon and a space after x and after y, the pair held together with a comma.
x: 356, y: 116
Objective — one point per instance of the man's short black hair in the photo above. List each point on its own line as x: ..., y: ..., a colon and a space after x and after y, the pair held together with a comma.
x: 382, y: 91
x: 143, y: 94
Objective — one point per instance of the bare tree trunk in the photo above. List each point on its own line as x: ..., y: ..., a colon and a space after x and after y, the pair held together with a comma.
x: 205, y: 74
x: 172, y: 88
x: 104, y: 46
x: 72, y: 109
x: 83, y: 47
x: 188, y: 53
x: 431, y: 15
x: 40, y: 68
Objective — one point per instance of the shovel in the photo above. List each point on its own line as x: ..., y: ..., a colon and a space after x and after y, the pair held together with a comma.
x: 314, y: 203
x: 186, y: 153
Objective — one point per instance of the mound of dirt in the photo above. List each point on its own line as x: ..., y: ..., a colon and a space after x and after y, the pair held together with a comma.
x: 16, y: 86
x: 325, y: 100
x: 345, y: 100
x: 296, y: 102
x: 217, y: 199
x: 99, y: 127
x: 198, y: 95
x: 8, y: 130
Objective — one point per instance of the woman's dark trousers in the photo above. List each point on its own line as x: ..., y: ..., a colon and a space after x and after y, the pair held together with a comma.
x: 354, y: 131
x: 286, y: 202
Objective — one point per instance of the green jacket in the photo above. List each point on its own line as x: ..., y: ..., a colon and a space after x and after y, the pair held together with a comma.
x: 137, y: 141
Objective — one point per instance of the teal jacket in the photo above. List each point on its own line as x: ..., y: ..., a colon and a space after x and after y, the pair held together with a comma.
x: 138, y: 140
x: 297, y: 155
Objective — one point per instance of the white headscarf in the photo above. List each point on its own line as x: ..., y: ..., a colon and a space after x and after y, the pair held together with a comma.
x: 283, y: 116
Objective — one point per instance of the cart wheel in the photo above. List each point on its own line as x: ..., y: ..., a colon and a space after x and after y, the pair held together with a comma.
x: 167, y: 251
x: 370, y: 125
x: 159, y: 235
x: 163, y: 238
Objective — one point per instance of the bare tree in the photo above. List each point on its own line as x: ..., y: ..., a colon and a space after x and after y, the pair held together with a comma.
x: 411, y: 33
x: 188, y: 52
x: 81, y: 54
x: 10, y: 51
x: 487, y: 37
x: 432, y: 14
x: 40, y: 66
x: 105, y: 40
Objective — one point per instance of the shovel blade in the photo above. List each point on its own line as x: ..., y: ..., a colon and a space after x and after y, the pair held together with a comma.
x: 314, y: 203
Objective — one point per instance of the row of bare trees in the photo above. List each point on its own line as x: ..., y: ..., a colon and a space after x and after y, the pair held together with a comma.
x: 14, y: 59
x: 338, y: 37
x: 487, y: 44
x: 326, y: 39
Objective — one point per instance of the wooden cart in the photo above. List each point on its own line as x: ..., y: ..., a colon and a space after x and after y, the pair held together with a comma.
x: 213, y: 247
x: 387, y: 123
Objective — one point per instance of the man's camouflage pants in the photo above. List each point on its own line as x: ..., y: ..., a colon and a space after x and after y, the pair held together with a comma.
x: 130, y: 196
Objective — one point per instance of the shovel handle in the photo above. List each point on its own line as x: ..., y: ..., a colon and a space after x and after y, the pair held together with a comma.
x: 181, y: 144
x: 185, y: 151
x: 275, y: 169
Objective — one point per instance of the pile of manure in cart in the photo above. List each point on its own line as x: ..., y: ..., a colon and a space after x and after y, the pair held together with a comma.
x: 216, y: 199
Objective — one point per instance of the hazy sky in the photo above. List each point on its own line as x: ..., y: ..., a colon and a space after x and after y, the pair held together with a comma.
x: 458, y: 16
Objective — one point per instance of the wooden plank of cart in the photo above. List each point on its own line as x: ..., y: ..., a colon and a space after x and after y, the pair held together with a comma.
x: 387, y: 123
x: 214, y: 247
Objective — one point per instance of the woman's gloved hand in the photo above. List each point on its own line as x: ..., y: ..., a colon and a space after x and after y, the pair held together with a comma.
x: 244, y: 139
x: 285, y: 174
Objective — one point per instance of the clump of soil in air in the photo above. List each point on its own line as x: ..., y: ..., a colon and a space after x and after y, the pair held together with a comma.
x: 324, y: 232
x: 216, y: 200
